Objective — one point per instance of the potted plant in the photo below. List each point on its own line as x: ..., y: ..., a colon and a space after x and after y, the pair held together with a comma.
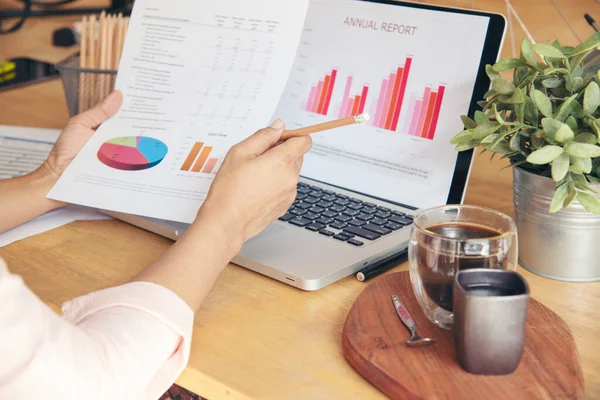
x: 546, y: 121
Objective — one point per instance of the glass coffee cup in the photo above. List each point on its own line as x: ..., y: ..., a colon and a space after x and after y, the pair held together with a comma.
x: 450, y: 238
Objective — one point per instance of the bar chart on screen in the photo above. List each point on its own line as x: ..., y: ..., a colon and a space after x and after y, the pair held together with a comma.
x: 387, y: 107
x: 320, y: 94
x: 424, y: 112
x: 198, y: 160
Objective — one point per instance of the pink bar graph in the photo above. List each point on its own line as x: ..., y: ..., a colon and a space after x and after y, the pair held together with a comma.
x: 312, y: 99
x: 388, y: 100
x: 425, y: 112
x: 423, y: 109
x: 346, y: 98
x: 415, y: 118
x: 320, y: 94
x: 380, y: 104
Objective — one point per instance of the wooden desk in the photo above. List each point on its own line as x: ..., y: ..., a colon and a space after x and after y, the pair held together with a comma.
x: 254, y: 337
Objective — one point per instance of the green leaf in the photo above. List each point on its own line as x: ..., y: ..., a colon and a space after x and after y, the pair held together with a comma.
x: 564, y: 134
x: 586, y: 137
x: 591, y: 98
x: 546, y: 50
x: 461, y: 137
x: 566, y: 108
x: 589, y: 202
x: 573, y: 84
x: 515, y: 142
x: 517, y: 97
x: 489, y: 93
x: 502, y: 86
x: 560, y: 194
x: 552, y: 83
x: 531, y: 112
x: 584, y: 165
x: 467, y: 145
x: 520, y: 110
x: 497, y: 115
x: 500, y: 148
x: 545, y: 155
x: 583, y: 150
x: 560, y: 167
x: 485, y: 129
x: 570, y: 196
x: 550, y: 71
x: 543, y: 103
x: 482, y: 104
x: 493, y: 75
x: 527, y: 52
x: 468, y: 122
x: 591, y: 43
x: 550, y: 126
x: 480, y: 117
x: 572, y: 122
x: 584, y: 186
x: 537, y: 140
x: 506, y: 64
x: 489, y: 139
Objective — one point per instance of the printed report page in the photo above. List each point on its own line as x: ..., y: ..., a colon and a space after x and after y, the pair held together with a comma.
x: 197, y: 77
x: 412, y: 70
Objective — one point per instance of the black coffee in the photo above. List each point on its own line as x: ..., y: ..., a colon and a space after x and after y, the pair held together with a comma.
x: 437, y: 262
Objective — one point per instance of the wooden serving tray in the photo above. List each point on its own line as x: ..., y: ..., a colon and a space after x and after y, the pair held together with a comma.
x: 373, y: 343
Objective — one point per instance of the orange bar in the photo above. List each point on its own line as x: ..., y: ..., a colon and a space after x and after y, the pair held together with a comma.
x: 430, y: 107
x: 192, y: 156
x: 394, y: 99
x: 210, y: 164
x: 323, y: 94
x: 203, y: 156
x: 355, y: 105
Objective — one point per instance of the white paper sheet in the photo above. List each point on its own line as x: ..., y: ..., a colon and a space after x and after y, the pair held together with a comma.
x: 22, y: 150
x: 197, y: 76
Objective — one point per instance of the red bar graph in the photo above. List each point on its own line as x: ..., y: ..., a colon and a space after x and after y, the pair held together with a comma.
x: 391, y: 97
x: 425, y: 112
x: 352, y: 105
x: 319, y: 98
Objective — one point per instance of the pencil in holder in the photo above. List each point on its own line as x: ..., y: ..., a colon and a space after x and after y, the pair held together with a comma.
x: 89, y: 76
x: 84, y: 87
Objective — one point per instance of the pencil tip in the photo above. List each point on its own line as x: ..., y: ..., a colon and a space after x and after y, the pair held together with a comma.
x: 361, y: 118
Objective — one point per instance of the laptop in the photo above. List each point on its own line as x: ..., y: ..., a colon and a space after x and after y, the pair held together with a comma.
x: 361, y: 186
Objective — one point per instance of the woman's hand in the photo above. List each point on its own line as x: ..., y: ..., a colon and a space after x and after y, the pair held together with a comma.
x: 257, y: 181
x: 77, y: 132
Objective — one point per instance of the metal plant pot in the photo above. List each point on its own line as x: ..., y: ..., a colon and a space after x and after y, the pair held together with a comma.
x: 564, y: 245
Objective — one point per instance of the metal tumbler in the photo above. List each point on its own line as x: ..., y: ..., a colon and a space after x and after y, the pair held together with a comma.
x: 490, y: 314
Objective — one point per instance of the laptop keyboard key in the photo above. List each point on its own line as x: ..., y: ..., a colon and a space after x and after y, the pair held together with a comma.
x: 355, y: 242
x: 400, y: 220
x: 311, y: 215
x: 341, y: 237
x: 378, y: 221
x: 365, y: 217
x: 311, y: 200
x: 377, y: 229
x: 342, y: 202
x: 324, y: 204
x: 324, y: 220
x: 363, y: 233
x: 297, y: 211
x: 329, y: 197
x: 301, y: 196
x: 343, y: 218
x: 393, y: 226
x: 369, y: 210
x: 304, y: 206
x: 398, y: 213
x: 337, y: 225
x: 315, y: 227
x: 337, y: 208
x: 342, y: 196
x: 326, y: 232
x: 329, y: 214
x: 316, y: 209
x: 355, y: 206
x: 370, y: 204
x: 303, y: 190
x: 299, y: 221
x: 383, y: 214
x: 357, y: 222
x: 350, y: 212
x: 316, y: 193
x: 380, y: 208
x: 286, y: 217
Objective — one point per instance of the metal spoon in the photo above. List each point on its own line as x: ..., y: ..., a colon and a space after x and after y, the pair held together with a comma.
x: 415, y: 340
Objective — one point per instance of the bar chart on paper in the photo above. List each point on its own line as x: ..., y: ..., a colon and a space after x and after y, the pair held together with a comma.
x: 198, y: 160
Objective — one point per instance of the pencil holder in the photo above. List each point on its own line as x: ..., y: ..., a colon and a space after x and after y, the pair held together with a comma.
x: 84, y: 88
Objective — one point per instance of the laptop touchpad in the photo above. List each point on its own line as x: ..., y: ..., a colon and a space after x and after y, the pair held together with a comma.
x: 270, y: 230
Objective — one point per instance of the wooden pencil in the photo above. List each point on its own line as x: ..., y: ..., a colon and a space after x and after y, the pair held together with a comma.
x: 103, y: 56
x: 83, y: 50
x: 92, y: 59
x: 110, y: 53
x: 120, y: 39
x: 337, y: 123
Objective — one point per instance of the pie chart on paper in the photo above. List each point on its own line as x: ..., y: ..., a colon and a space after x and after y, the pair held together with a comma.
x: 132, y: 153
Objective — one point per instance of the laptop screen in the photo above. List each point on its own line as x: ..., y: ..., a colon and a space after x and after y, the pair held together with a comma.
x: 412, y: 69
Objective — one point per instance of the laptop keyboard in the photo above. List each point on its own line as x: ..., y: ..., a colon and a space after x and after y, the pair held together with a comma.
x: 341, y: 217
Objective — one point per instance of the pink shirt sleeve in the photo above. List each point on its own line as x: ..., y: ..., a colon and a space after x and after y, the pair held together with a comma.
x: 130, y: 341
